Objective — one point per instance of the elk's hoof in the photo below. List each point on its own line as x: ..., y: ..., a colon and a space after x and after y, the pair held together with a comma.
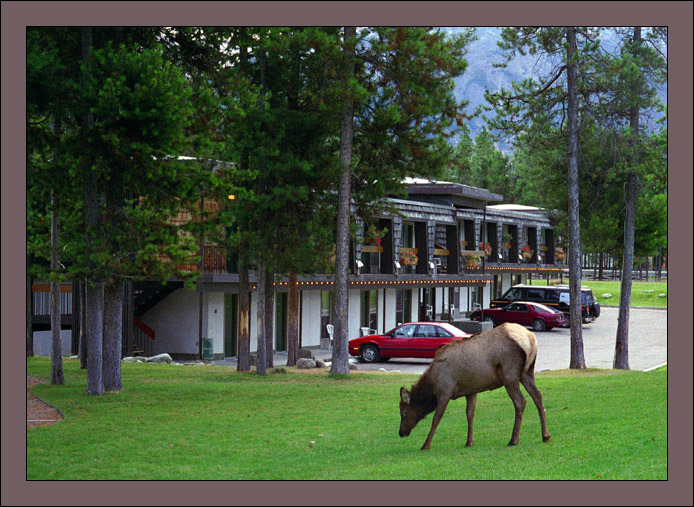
x: 424, y: 448
x: 468, y: 444
x: 545, y: 439
x: 512, y: 444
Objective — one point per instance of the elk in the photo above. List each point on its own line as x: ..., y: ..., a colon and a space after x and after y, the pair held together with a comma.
x: 503, y: 356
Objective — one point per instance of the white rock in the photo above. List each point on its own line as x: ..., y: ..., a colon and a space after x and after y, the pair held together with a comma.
x: 160, y: 358
x: 607, y: 296
x: 662, y: 295
x: 305, y: 364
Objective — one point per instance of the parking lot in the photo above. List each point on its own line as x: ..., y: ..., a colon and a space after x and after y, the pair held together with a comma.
x: 647, y: 344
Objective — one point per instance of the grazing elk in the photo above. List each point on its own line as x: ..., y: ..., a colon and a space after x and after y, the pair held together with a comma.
x: 503, y: 356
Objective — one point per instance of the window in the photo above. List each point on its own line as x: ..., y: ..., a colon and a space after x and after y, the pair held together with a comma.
x: 552, y: 296
x: 406, y: 331
x: 426, y: 331
x: 535, y: 294
x: 403, y: 306
x: 442, y: 333
x: 327, y: 305
x: 517, y: 307
x: 369, y: 309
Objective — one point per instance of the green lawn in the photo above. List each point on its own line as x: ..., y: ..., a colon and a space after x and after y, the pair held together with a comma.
x: 208, y: 422
x: 643, y: 294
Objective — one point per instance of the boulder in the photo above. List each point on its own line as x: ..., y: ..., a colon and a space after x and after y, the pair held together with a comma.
x: 129, y: 359
x: 320, y: 364
x: 353, y: 366
x: 306, y: 353
x: 305, y: 363
x: 159, y: 358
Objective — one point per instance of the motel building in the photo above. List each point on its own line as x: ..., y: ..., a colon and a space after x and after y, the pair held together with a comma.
x: 448, y: 250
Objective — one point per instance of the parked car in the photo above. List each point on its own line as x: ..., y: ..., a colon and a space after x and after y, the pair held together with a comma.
x: 414, y: 339
x: 525, y: 313
x: 554, y: 296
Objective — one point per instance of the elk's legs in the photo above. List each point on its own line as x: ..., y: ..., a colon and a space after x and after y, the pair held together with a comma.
x: 516, y: 396
x: 470, y: 412
x: 528, y: 381
x: 441, y: 405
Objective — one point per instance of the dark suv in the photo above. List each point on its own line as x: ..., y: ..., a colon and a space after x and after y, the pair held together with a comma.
x: 554, y: 296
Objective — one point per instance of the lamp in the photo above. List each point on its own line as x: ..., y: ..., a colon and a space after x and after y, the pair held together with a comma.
x: 360, y: 265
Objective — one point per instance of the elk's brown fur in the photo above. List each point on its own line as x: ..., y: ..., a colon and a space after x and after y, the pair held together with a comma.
x: 503, y: 356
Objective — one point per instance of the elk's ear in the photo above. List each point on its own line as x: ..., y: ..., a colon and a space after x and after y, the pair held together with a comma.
x: 404, y: 395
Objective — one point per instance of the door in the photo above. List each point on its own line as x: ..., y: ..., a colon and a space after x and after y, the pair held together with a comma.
x: 400, y: 342
x: 281, y: 321
x: 518, y: 313
x: 230, y: 324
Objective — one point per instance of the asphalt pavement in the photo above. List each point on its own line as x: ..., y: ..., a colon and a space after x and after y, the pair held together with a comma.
x: 647, y: 346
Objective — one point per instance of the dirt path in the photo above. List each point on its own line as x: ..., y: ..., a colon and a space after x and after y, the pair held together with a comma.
x: 39, y: 413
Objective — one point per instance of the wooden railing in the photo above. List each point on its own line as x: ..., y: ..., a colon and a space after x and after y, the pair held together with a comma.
x: 144, y: 335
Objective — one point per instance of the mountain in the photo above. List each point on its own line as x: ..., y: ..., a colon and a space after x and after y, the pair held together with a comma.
x: 481, y: 75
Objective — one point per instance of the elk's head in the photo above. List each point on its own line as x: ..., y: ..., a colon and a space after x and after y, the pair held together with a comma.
x: 409, y: 415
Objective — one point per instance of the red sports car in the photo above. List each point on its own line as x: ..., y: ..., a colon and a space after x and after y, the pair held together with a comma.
x: 414, y: 339
x: 535, y: 315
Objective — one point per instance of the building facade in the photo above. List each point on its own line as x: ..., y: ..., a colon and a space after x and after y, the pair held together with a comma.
x: 447, y: 250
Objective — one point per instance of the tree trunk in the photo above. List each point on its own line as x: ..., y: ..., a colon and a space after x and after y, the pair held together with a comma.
x: 83, y: 325
x: 262, y: 344
x: 621, y: 352
x: 95, y: 305
x: 113, y: 335
x: 269, y: 319
x: 293, y: 320
x: 577, y: 360
x: 57, y: 377
x: 95, y: 298
x: 340, y: 356
x: 244, y: 363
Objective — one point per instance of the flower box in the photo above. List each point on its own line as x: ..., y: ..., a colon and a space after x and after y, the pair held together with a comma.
x: 371, y: 249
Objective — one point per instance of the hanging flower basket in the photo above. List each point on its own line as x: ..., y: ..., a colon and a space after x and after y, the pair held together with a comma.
x: 408, y: 258
x: 559, y: 253
x: 526, y: 252
x: 473, y: 261
x: 372, y: 236
x: 487, y: 248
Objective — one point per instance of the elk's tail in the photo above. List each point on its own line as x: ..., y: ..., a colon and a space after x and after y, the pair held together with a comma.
x: 528, y: 342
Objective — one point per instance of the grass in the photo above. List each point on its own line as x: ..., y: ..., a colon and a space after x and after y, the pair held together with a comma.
x: 208, y: 422
x: 643, y: 294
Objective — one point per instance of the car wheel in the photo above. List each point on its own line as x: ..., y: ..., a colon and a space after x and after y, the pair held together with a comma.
x: 370, y: 354
x: 489, y: 318
x: 549, y: 328
x: 539, y: 325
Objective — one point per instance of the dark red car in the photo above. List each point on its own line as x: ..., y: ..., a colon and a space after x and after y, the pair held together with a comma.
x: 525, y: 313
x: 414, y: 339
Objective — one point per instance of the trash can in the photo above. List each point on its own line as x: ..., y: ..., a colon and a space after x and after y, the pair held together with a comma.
x: 207, y: 353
